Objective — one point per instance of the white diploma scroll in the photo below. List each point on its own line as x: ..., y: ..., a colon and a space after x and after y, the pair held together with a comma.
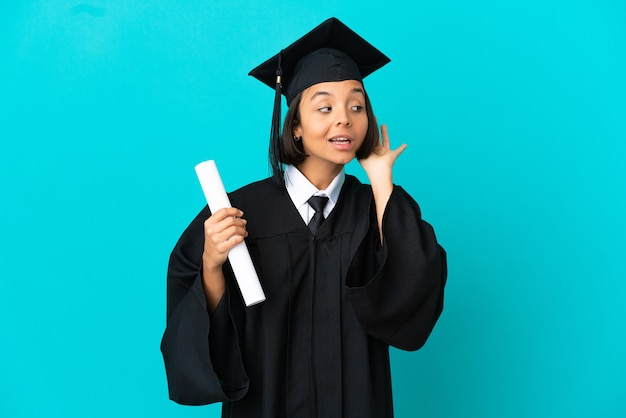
x: 239, y: 257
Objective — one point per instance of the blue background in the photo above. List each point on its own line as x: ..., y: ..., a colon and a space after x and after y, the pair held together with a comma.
x: 514, y: 113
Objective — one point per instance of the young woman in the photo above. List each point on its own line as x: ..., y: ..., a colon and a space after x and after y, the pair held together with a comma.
x: 348, y: 269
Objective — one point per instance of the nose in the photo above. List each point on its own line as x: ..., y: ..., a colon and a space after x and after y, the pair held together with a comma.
x: 343, y: 119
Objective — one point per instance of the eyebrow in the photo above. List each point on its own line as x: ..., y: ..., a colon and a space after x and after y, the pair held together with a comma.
x: 325, y: 93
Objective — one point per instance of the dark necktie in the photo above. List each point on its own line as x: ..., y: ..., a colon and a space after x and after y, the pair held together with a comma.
x: 317, y: 203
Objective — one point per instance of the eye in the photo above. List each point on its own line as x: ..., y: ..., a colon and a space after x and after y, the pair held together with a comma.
x: 325, y: 109
x: 357, y: 108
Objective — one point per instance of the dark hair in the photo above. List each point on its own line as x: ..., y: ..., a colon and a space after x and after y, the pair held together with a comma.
x: 292, y: 151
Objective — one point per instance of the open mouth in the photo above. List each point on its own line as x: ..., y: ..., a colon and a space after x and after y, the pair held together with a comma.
x: 340, y: 140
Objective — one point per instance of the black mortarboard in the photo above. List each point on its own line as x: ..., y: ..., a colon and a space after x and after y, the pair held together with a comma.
x: 330, y: 52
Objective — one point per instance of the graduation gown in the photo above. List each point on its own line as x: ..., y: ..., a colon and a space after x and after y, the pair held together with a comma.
x: 318, y: 346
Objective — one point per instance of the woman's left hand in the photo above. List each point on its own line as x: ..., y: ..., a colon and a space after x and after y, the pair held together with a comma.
x: 380, y: 162
x: 378, y: 168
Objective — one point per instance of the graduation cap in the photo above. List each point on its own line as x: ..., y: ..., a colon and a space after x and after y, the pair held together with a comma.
x: 330, y: 52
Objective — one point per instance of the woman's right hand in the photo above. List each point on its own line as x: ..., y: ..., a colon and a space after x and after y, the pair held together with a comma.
x: 222, y: 231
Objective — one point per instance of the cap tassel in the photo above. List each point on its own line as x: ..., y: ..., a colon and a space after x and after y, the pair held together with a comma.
x: 275, y: 151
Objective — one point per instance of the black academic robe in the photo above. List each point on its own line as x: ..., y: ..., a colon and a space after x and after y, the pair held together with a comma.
x: 318, y: 346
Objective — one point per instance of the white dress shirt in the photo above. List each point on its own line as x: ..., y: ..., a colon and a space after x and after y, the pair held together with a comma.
x: 300, y: 189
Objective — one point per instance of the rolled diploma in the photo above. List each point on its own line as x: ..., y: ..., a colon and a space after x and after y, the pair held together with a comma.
x: 239, y: 257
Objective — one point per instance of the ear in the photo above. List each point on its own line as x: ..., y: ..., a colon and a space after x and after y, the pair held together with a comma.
x: 296, y: 128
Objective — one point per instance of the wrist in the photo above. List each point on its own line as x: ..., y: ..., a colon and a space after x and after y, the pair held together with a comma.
x: 382, y: 185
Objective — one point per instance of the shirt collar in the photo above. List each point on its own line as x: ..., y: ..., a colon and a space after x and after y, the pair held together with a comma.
x: 300, y: 189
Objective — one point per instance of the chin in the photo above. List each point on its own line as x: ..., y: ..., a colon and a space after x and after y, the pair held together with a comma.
x: 344, y: 161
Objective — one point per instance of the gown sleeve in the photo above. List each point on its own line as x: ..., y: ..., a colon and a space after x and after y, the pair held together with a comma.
x: 201, y: 352
x: 396, y: 288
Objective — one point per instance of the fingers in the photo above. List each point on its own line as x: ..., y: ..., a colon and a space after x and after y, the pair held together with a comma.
x: 384, y: 132
x: 227, y: 212
x: 222, y: 231
x: 225, y: 225
x: 400, y: 150
x: 385, y: 135
x: 223, y: 237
